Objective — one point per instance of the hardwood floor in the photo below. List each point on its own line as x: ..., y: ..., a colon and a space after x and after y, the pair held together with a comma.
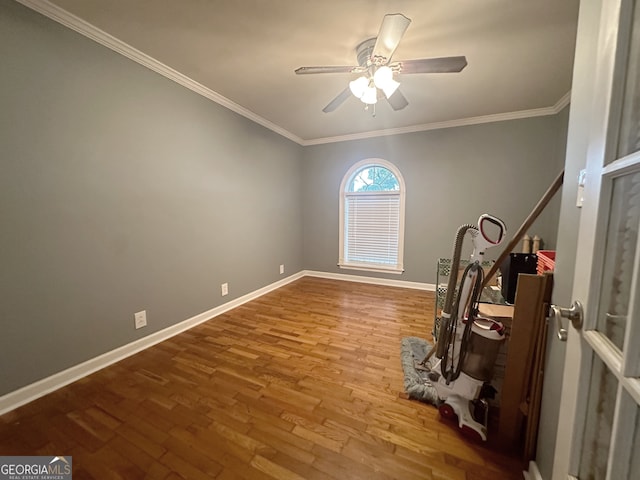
x: 303, y: 383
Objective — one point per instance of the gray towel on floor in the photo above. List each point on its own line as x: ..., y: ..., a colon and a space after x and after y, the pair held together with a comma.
x: 416, y: 383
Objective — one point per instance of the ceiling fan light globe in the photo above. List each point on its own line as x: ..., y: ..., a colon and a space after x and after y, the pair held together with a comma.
x: 358, y: 86
x: 370, y: 96
x: 383, y: 79
x: 383, y: 76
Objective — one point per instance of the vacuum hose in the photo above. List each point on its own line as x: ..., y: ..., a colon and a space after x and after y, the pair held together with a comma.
x: 442, y: 342
x: 451, y: 290
x: 448, y: 369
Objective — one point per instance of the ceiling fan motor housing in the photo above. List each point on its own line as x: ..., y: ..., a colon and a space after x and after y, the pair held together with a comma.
x: 364, y: 52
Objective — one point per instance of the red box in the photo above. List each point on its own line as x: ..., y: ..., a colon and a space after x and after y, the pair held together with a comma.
x: 546, y: 261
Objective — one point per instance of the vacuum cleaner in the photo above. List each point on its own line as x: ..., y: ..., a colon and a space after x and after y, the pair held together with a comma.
x: 467, y: 344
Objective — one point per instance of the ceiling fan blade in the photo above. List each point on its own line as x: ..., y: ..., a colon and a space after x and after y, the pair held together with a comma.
x: 327, y: 69
x: 391, y: 32
x: 339, y: 100
x: 433, y: 65
x: 397, y: 100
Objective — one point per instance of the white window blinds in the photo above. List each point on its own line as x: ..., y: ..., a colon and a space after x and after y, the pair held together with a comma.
x: 372, y: 229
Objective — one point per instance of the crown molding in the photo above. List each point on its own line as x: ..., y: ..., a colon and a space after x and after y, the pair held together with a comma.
x: 563, y: 102
x: 462, y: 122
x: 88, y: 30
x: 75, y: 23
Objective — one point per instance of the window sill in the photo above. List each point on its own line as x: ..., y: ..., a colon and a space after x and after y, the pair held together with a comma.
x: 372, y: 268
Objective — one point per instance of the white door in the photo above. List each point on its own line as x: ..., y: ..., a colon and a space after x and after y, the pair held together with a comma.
x: 599, y: 425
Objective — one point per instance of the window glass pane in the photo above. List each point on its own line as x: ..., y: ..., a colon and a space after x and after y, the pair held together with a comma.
x: 599, y: 420
x: 373, y: 178
x: 629, y: 140
x: 634, y: 460
x: 620, y: 251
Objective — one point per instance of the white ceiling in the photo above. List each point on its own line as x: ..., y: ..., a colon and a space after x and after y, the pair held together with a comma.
x: 244, y: 52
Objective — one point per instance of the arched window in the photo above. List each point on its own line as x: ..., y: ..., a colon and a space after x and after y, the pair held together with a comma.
x: 372, y: 217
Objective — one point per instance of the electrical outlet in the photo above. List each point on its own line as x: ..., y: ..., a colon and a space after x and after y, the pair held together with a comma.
x: 281, y: 269
x: 224, y: 288
x: 140, y: 319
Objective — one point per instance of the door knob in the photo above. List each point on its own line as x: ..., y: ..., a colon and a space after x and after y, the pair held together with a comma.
x: 574, y: 313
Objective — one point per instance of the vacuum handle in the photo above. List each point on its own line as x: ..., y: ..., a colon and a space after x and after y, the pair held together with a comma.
x: 493, y: 238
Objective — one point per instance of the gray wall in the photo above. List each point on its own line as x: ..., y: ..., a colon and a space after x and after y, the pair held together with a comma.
x: 576, y: 153
x: 452, y: 176
x: 122, y: 191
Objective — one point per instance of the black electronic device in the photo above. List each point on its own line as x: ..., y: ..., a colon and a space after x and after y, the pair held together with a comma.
x: 513, y: 265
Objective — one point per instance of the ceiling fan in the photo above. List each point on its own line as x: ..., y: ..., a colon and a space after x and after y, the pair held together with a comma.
x: 377, y: 71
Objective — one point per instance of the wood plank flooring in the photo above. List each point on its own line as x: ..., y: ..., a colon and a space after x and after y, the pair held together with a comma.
x: 303, y: 383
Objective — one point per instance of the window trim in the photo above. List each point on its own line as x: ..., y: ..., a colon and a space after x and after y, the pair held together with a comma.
x: 379, y: 268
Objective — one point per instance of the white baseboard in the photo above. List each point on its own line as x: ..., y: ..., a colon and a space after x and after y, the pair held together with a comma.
x: 28, y: 393
x: 431, y: 287
x: 533, y: 473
